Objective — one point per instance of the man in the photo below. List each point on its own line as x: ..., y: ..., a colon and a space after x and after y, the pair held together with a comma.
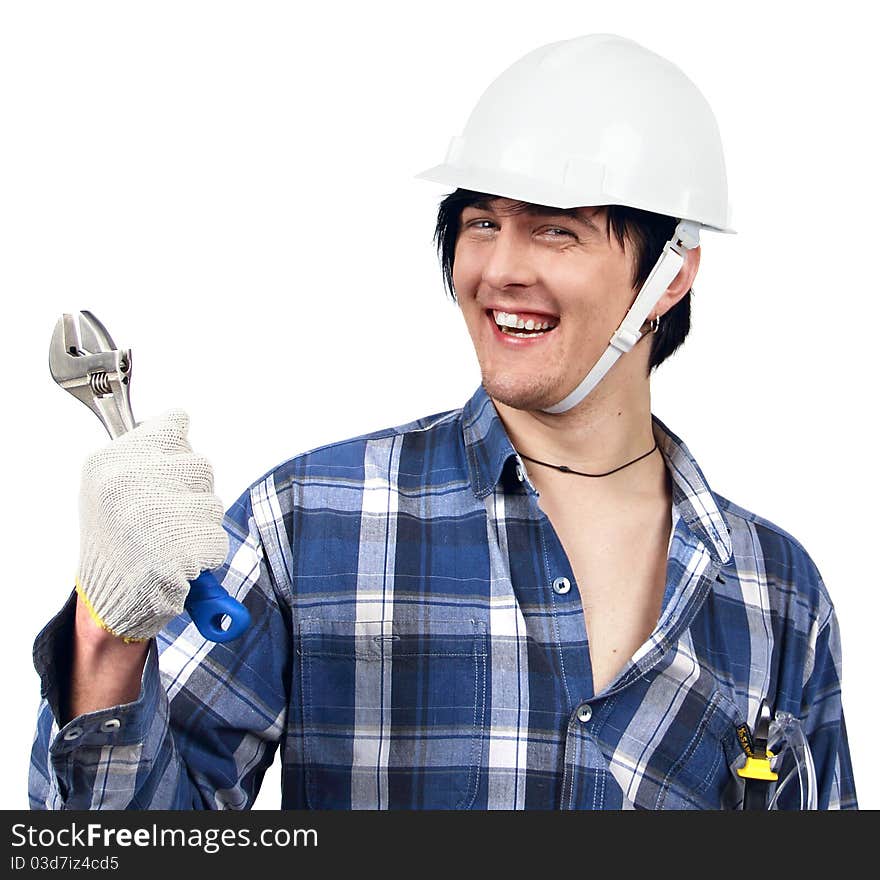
x: 534, y: 602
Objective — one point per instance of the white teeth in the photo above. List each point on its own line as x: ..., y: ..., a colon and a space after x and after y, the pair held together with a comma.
x: 512, y: 320
x: 508, y: 332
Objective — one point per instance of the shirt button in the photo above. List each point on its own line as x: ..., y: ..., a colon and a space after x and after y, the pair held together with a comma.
x: 73, y: 733
x: 584, y: 713
x: 561, y: 585
x: 110, y: 725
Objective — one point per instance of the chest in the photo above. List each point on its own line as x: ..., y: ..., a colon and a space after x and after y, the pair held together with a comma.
x: 618, y: 558
x: 434, y: 652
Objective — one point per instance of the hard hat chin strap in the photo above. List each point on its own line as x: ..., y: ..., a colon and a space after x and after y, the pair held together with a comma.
x: 668, y: 265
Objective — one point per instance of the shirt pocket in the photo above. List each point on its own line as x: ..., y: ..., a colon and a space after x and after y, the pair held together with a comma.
x: 695, y: 768
x: 393, y: 712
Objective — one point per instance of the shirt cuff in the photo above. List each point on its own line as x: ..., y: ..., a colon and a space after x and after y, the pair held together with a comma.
x: 124, y: 724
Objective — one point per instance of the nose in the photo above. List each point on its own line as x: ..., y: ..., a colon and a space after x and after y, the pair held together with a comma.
x: 508, y: 261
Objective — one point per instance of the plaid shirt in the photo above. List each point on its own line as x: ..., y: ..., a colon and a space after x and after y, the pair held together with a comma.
x: 408, y: 650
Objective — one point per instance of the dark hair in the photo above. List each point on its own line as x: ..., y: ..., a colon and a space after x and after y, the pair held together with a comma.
x: 646, y: 231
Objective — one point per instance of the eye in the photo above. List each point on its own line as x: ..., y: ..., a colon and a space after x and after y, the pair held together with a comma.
x: 560, y: 232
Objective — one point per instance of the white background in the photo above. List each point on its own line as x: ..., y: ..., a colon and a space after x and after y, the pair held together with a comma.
x: 229, y: 186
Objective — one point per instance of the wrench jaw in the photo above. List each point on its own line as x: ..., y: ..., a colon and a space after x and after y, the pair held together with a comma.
x: 93, y: 334
x: 84, y: 361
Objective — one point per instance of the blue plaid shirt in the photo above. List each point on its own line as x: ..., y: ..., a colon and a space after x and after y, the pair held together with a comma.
x: 408, y: 651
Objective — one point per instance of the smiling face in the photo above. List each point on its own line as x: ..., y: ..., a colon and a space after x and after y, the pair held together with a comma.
x: 544, y: 266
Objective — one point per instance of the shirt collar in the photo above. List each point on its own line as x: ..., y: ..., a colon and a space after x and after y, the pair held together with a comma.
x: 486, y: 444
x: 692, y: 497
x: 488, y: 449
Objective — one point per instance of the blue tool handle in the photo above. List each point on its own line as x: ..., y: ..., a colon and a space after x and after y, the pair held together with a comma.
x: 208, y: 602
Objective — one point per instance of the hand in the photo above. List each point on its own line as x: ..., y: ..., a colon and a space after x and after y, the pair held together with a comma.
x: 149, y: 523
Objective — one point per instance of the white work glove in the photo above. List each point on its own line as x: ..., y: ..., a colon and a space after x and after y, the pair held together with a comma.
x: 149, y: 524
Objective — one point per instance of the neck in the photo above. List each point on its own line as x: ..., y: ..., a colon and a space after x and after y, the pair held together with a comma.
x: 603, y: 432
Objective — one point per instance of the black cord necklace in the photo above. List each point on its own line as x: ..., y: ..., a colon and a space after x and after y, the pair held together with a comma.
x: 568, y: 470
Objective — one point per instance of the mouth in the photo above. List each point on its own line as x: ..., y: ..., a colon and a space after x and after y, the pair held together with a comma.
x: 521, y: 328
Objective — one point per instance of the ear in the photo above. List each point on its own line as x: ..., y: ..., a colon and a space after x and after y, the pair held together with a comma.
x: 681, y: 284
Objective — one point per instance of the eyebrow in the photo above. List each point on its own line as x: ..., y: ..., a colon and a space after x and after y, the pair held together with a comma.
x: 533, y: 210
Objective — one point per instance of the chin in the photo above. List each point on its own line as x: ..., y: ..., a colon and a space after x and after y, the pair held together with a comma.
x: 530, y: 394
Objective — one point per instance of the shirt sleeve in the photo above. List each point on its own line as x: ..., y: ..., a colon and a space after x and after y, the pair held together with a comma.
x: 208, y: 718
x: 823, y: 720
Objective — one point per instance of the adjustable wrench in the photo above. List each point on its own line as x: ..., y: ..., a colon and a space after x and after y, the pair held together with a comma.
x: 84, y: 361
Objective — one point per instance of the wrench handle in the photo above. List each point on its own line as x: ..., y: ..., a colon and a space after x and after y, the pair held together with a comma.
x: 208, y: 603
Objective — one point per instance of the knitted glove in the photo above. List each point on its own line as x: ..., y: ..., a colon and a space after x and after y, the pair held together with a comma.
x: 149, y: 524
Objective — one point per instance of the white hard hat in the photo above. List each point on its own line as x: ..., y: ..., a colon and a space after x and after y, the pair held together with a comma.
x: 595, y: 120
x: 599, y: 120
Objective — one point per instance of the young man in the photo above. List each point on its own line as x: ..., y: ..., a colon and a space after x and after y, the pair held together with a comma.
x: 533, y: 602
